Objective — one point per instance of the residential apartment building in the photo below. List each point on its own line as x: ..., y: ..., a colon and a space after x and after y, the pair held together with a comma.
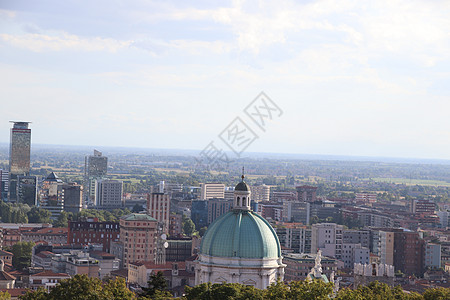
x: 212, y: 190
x: 93, y: 232
x: 307, y: 193
x: 109, y: 193
x: 138, y: 235
x: 328, y: 238
x: 158, y: 207
x: 260, y: 193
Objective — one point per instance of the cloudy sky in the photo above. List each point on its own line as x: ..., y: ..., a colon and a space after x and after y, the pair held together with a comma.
x: 365, y: 78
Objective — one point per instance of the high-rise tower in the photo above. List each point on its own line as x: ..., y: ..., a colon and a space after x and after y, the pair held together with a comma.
x: 19, y: 156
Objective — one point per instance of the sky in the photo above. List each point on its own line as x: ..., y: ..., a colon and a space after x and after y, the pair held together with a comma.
x: 363, y: 78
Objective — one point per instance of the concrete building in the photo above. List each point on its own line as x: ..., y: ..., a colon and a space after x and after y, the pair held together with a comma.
x: 294, y: 236
x: 423, y: 207
x: 109, y: 193
x: 138, y: 234
x: 199, y: 213
x: 19, y: 156
x: 294, y: 211
x: 254, y: 258
x: 260, y: 193
x: 73, y: 197
x: 96, y: 165
x: 328, y: 238
x: 175, y: 224
x: 386, y: 249
x: 158, y: 207
x: 212, y: 190
x: 217, y: 208
x: 27, y: 190
x: 433, y: 256
x: 366, y: 198
x: 307, y: 193
x: 95, y: 168
x: 444, y: 217
x: 361, y: 237
x: 4, y: 185
x: 51, y: 195
x: 298, y: 265
x: 354, y: 253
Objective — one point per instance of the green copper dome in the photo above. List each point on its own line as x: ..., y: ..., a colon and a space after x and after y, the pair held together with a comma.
x: 242, y: 234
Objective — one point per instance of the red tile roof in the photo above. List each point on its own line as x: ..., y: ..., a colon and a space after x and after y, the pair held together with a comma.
x: 48, y: 273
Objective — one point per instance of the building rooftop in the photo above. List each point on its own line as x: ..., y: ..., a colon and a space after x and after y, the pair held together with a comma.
x: 137, y: 217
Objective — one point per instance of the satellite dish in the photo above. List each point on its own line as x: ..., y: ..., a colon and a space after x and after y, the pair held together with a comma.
x: 163, y: 236
x: 166, y: 244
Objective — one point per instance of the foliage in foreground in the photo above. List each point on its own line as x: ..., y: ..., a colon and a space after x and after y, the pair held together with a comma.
x: 82, y: 287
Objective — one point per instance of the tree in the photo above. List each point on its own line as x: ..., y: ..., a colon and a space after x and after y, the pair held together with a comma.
x: 39, y: 215
x: 137, y: 208
x: 437, y: 294
x: 63, y: 219
x: 209, y: 291
x: 157, y: 286
x: 78, y: 287
x: 5, y: 296
x: 306, y: 290
x: 22, y: 255
x: 202, y: 231
x: 117, y: 289
x: 188, y: 227
x: 39, y: 294
x: 81, y: 287
x: 376, y: 290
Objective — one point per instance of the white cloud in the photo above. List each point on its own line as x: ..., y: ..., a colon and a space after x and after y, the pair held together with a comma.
x: 63, y: 41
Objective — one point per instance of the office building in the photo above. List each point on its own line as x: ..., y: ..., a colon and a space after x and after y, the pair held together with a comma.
x: 27, y: 190
x: 212, y: 190
x: 199, y: 213
x: 361, y: 237
x: 109, y: 193
x: 433, y: 256
x: 96, y: 165
x: 73, y: 197
x: 327, y: 237
x: 19, y: 156
x: 52, y: 195
x: 294, y: 211
x: 307, y: 193
x: 217, y: 208
x: 138, y: 235
x: 158, y: 207
x: 260, y: 193
x: 4, y: 184
x: 95, y: 168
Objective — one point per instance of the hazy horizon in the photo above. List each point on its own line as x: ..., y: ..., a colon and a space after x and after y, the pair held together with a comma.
x: 351, y: 79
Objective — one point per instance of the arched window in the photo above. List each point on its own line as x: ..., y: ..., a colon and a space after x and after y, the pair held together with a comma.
x: 237, y: 201
x: 244, y: 203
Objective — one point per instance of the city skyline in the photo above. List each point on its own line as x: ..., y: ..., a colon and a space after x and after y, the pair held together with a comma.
x: 351, y: 79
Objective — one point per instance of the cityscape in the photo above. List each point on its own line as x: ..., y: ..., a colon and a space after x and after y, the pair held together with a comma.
x: 237, y: 149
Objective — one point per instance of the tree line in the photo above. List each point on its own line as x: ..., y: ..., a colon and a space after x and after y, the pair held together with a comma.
x: 83, y: 287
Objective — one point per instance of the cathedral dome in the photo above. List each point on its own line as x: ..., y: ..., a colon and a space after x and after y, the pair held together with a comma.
x: 242, y: 234
x: 242, y: 186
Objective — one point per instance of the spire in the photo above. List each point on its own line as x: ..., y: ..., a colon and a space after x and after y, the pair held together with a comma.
x: 242, y: 174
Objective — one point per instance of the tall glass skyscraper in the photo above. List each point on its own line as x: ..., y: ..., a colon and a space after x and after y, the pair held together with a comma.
x: 19, y: 156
